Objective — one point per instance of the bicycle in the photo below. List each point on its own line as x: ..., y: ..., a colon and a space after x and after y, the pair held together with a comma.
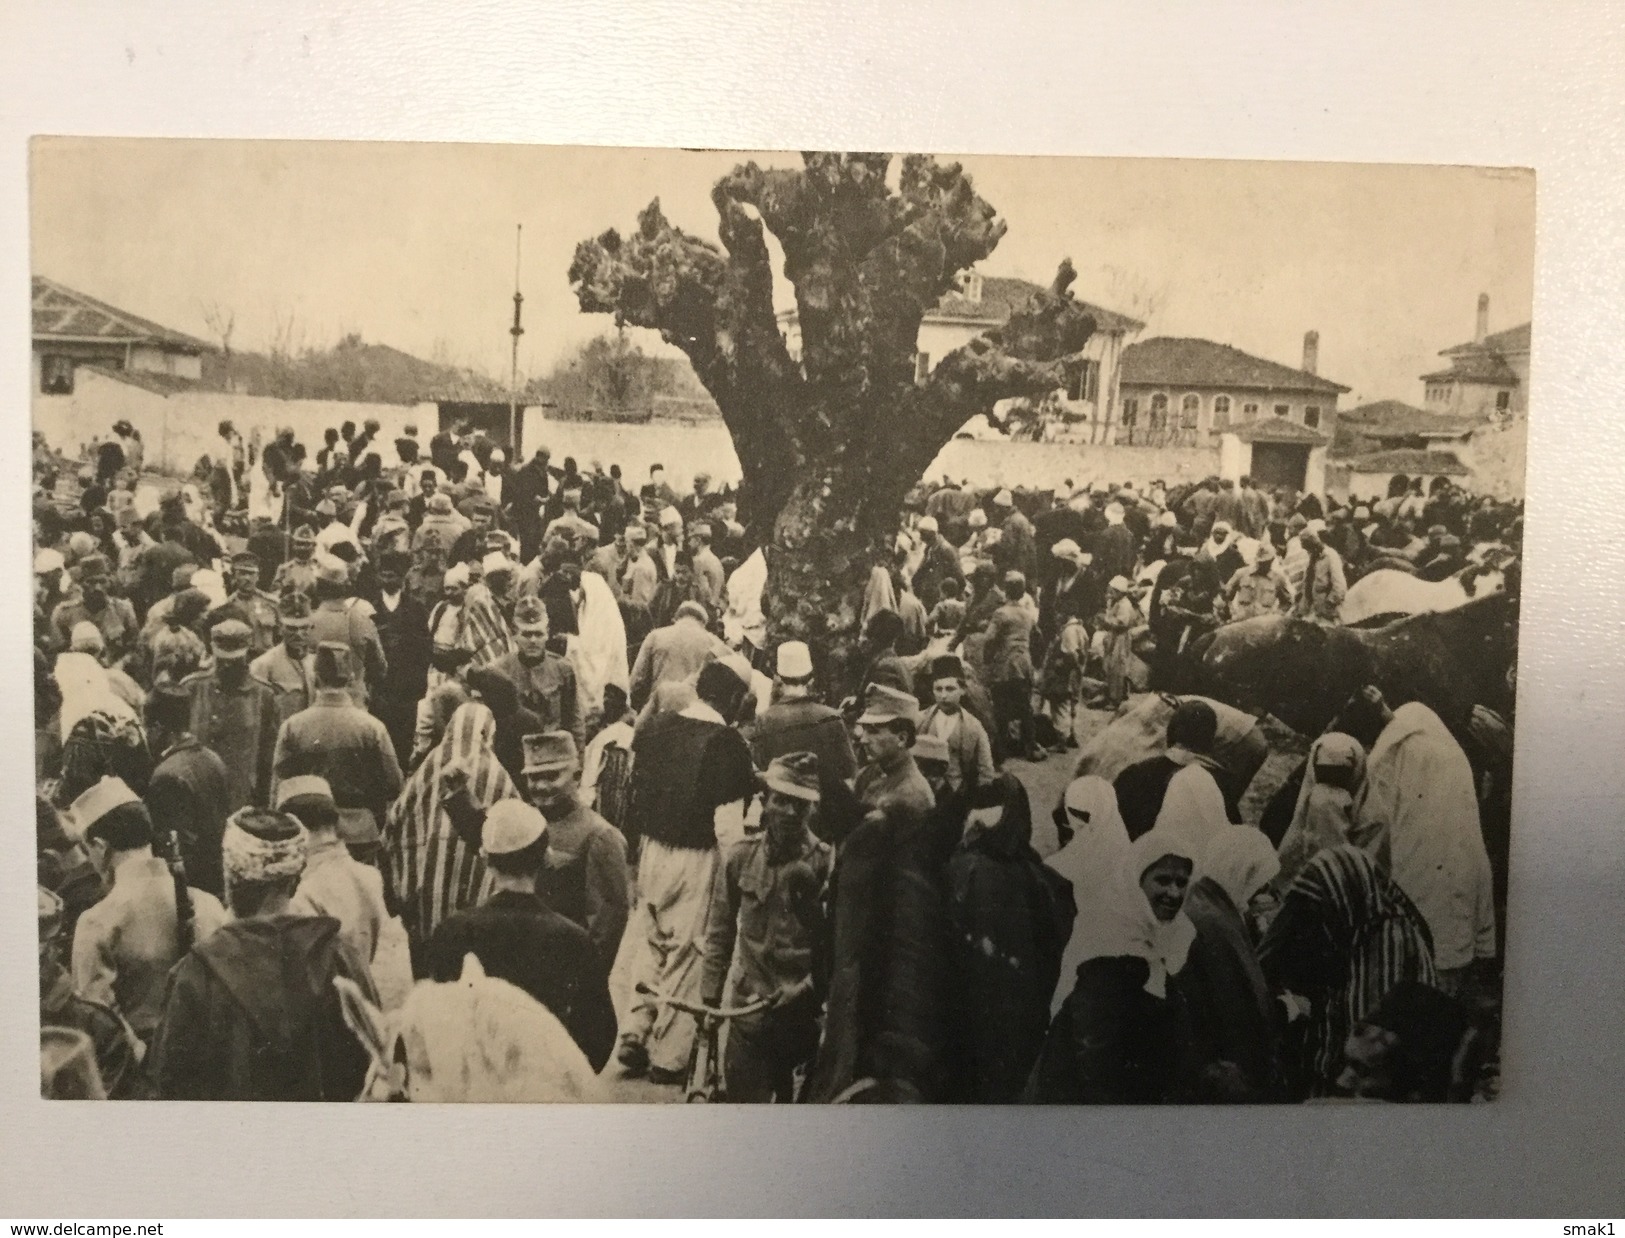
x: 704, y: 1084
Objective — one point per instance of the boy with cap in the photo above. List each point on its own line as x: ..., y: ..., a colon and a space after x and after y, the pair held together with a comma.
x: 765, y: 906
x: 235, y: 715
x: 546, y: 682
x: 124, y: 946
x: 333, y: 883
x: 248, y: 605
x: 518, y: 938
x: 798, y: 723
x: 341, y: 742
x: 251, y: 1012
x: 971, y: 752
x: 289, y: 668
x: 691, y: 780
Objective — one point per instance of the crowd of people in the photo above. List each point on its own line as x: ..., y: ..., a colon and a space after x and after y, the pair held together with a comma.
x: 326, y: 738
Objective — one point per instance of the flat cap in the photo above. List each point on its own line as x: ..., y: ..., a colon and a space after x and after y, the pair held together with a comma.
x: 549, y: 750
x: 794, y: 774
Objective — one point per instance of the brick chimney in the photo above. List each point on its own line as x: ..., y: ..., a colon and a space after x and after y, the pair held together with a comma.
x: 1311, y: 352
x: 1483, y: 327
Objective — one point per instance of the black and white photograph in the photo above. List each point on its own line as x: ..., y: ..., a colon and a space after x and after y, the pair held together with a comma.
x: 522, y: 623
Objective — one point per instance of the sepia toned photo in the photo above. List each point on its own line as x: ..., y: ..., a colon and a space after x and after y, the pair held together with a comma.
x: 583, y: 624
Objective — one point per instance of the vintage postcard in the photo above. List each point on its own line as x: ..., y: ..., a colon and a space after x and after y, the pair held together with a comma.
x: 568, y: 624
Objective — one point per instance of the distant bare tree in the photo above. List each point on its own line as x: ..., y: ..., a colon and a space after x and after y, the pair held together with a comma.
x: 222, y: 324
x: 1129, y: 292
x: 282, y: 350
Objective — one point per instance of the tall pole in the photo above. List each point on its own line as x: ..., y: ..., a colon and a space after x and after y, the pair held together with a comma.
x: 516, y: 331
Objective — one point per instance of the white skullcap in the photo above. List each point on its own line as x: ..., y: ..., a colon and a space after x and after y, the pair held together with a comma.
x: 48, y: 560
x: 457, y: 575
x: 496, y: 561
x: 794, y: 660
x: 511, y: 825
x: 1004, y: 499
x: 928, y: 525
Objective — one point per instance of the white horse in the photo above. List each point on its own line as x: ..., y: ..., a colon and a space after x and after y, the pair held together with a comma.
x: 1390, y: 592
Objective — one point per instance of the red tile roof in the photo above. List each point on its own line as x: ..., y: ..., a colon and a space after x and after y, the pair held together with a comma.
x: 1409, y: 460
x: 62, y: 313
x: 1272, y: 429
x: 1172, y: 362
x: 1513, y: 339
x: 1396, y: 419
x: 1003, y: 296
x: 1476, y: 366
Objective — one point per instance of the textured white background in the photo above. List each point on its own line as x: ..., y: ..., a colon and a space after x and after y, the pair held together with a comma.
x: 1536, y: 85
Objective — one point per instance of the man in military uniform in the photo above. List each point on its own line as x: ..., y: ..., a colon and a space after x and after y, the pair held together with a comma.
x: 289, y: 667
x: 236, y: 715
x: 546, y: 682
x: 113, y: 617
x: 299, y: 572
x: 248, y: 605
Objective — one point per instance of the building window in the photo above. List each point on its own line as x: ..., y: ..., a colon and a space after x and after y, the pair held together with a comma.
x: 1249, y: 411
x: 1281, y: 410
x: 1190, y: 411
x: 1131, y: 412
x: 1503, y: 401
x: 56, y: 375
x: 922, y: 366
x: 1311, y: 416
x: 973, y: 287
x: 1085, y: 382
x: 1159, y: 411
x: 1221, y: 411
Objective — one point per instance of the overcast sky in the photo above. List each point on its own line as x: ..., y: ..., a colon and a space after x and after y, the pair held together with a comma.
x: 413, y: 245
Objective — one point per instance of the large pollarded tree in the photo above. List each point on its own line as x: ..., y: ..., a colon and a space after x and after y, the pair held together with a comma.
x: 830, y: 444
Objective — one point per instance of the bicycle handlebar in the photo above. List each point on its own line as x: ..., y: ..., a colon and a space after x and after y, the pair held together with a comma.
x: 703, y: 1011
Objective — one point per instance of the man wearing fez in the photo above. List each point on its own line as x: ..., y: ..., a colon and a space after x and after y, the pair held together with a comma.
x: 338, y: 740
x: 124, y: 946
x: 518, y: 938
x: 247, y: 604
x: 546, y: 682
x: 235, y: 715
x: 798, y: 723
x: 251, y: 1012
x: 289, y: 667
x: 766, y: 902
x: 948, y: 719
x: 299, y: 572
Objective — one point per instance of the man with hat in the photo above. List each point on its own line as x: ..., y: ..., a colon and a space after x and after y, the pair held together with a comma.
x: 571, y: 523
x: 546, y: 682
x: 1324, y: 585
x: 113, y: 617
x: 931, y: 754
x: 710, y: 582
x: 299, y: 572
x: 1261, y: 589
x: 1117, y: 624
x: 246, y: 603
x: 640, y: 577
x: 518, y: 938
x: 252, y: 1012
x: 288, y: 667
x: 799, y: 723
x: 235, y: 715
x: 970, y: 752
x: 187, y: 796
x: 116, y: 1047
x: 342, y: 617
x: 691, y: 780
x: 940, y: 561
x: 1017, y: 547
x: 1007, y: 655
x: 470, y: 544
x: 402, y: 621
x: 334, y: 883
x: 124, y: 946
x: 586, y: 878
x: 338, y: 740
x: 765, y: 911
x: 886, y: 731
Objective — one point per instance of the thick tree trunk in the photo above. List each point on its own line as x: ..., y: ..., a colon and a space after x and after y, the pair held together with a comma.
x: 818, y: 565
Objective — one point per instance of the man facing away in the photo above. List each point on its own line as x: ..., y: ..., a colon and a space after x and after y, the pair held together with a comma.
x: 518, y: 938
x: 766, y: 903
x: 235, y: 715
x: 691, y: 780
x: 798, y: 723
x: 333, y: 884
x: 251, y: 1013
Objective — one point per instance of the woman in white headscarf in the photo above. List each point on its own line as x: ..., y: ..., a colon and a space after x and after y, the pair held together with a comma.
x: 1090, y: 860
x: 1233, y: 1036
x: 1122, y: 1033
x: 1324, y: 817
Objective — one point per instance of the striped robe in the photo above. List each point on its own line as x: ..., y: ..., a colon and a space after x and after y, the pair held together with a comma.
x: 484, y: 630
x: 434, y: 872
x: 1344, y: 936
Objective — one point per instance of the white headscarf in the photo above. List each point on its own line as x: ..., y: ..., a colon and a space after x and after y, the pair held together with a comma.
x: 1193, y: 805
x: 1125, y: 923
x: 1091, y: 861
x: 1241, y: 860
